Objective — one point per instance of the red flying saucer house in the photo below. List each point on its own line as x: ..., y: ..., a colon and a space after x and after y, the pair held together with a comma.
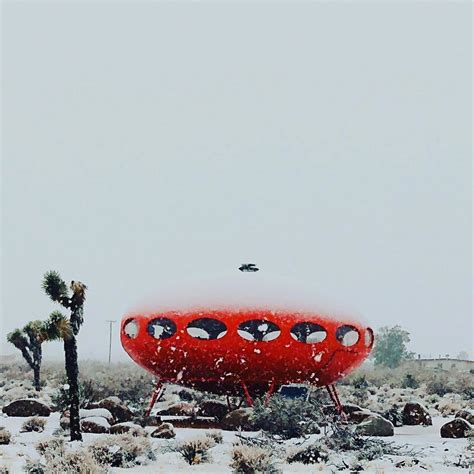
x: 239, y: 342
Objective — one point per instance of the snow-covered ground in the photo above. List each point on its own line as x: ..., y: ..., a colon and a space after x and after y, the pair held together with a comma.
x: 434, y: 453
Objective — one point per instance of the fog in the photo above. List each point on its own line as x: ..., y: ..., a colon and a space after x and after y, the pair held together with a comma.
x: 146, y: 144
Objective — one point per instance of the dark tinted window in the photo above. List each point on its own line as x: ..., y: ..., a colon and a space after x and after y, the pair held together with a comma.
x: 308, y: 332
x: 206, y: 328
x: 258, y: 330
x: 161, y: 328
x: 347, y: 335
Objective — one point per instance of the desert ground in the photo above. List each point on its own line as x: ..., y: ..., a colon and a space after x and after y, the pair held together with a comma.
x: 394, y: 423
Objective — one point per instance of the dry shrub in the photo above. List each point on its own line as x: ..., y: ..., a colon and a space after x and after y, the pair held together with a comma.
x: 196, y: 450
x: 5, y: 436
x: 4, y: 470
x: 252, y: 460
x: 35, y: 423
x: 216, y: 435
x: 123, y: 450
x: 56, y: 459
x: 312, y: 454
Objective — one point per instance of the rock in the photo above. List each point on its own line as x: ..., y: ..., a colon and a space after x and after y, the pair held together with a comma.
x: 467, y: 415
x: 119, y: 410
x: 128, y: 427
x: 415, y: 413
x: 165, y: 431
x: 457, y: 428
x: 64, y: 422
x: 240, y: 418
x: 5, y: 436
x: 95, y: 424
x: 102, y: 412
x: 178, y: 409
x: 358, y: 416
x: 394, y: 415
x: 375, y: 425
x: 27, y: 407
x: 349, y: 408
x: 214, y: 408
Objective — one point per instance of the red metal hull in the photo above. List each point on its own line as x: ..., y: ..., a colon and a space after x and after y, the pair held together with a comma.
x: 223, y: 365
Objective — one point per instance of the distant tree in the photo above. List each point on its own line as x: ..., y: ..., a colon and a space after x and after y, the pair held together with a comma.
x: 59, y: 326
x: 29, y: 340
x: 390, y: 346
x: 463, y: 355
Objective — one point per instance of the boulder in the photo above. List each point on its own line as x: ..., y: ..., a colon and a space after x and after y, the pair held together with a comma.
x: 128, y: 427
x: 213, y: 408
x: 467, y: 415
x: 27, y: 407
x: 119, y: 410
x: 178, y: 409
x: 358, y: 416
x: 102, y: 412
x: 375, y: 425
x: 415, y: 413
x: 457, y: 428
x: 240, y: 418
x: 95, y: 424
x: 349, y: 408
x: 164, y: 431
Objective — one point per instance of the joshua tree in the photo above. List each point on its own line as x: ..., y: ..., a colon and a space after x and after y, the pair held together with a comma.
x: 59, y: 326
x: 28, y: 340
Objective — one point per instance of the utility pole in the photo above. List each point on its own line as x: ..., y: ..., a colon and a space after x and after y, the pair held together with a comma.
x: 110, y: 321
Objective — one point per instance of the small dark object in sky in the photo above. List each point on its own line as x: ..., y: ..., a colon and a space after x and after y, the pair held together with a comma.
x: 248, y: 267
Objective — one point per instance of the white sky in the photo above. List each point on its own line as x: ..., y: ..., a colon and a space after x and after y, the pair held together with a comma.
x: 328, y: 142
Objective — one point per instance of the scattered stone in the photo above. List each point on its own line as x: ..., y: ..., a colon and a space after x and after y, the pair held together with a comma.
x: 415, y: 413
x: 457, y: 428
x: 119, y: 410
x: 95, y: 424
x: 27, y: 407
x: 240, y: 418
x: 375, y: 425
x: 128, y: 427
x: 165, y: 431
x: 466, y: 414
x: 178, y: 409
x: 214, y: 408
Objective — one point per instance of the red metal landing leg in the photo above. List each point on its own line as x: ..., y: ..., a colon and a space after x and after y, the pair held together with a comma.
x: 247, y: 394
x: 157, y: 392
x: 335, y: 399
x: 270, y: 392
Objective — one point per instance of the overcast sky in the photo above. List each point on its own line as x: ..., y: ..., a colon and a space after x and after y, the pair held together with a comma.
x: 328, y: 142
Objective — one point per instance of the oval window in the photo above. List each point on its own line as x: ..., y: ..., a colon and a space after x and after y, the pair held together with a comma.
x: 369, y: 337
x: 309, y: 333
x: 206, y: 328
x: 258, y: 330
x: 161, y: 328
x: 347, y: 335
x: 130, y: 328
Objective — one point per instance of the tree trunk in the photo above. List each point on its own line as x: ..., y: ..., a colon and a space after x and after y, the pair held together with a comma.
x: 36, y: 375
x: 72, y: 372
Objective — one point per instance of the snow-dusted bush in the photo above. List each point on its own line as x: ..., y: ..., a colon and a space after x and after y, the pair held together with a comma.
x: 311, y: 454
x: 35, y: 423
x: 5, y: 436
x: 4, y: 470
x: 252, y: 460
x: 287, y: 418
x: 194, y: 451
x: 438, y: 386
x: 57, y: 459
x: 123, y: 450
x: 216, y: 435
